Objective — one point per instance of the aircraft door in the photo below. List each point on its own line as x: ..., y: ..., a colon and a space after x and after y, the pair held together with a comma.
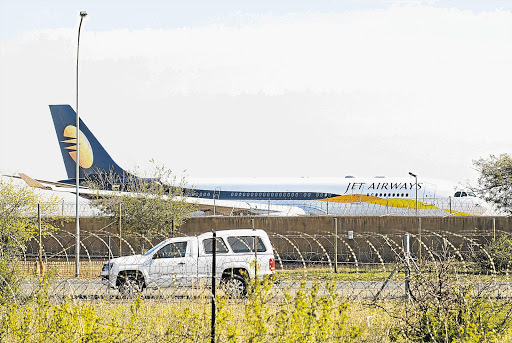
x: 216, y: 196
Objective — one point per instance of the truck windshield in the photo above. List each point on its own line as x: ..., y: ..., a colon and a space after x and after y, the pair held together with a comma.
x: 150, y: 251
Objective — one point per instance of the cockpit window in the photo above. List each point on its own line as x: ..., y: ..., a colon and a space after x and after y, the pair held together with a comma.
x: 460, y: 194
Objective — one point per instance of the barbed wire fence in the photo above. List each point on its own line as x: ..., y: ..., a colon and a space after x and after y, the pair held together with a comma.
x: 363, y: 269
x: 293, y: 249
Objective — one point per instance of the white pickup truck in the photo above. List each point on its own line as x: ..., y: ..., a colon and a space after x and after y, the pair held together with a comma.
x: 184, y: 261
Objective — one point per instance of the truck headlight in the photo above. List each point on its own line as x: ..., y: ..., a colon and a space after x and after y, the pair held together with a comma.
x: 107, y: 267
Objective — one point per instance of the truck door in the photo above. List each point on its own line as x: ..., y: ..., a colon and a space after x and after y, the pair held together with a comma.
x: 204, y: 264
x: 172, y: 264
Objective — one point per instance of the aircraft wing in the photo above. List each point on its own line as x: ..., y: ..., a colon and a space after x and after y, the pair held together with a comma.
x: 226, y: 207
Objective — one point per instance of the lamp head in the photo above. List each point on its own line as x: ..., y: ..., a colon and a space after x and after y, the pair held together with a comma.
x: 83, y: 14
x: 413, y: 175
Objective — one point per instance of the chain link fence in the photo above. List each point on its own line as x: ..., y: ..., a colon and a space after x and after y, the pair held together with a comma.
x: 393, y: 207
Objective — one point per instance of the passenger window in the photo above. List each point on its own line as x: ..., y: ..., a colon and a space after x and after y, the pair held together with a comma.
x: 242, y: 244
x: 172, y: 250
x: 221, y: 246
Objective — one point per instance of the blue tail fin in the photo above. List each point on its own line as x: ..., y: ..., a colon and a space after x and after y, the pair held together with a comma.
x: 94, y: 159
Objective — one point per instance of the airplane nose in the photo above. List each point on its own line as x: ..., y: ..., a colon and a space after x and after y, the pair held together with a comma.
x: 481, y: 207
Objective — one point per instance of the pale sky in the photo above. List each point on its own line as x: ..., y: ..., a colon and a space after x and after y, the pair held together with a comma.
x: 262, y: 88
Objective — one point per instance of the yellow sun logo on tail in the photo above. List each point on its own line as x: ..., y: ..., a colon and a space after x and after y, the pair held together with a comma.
x: 86, y: 155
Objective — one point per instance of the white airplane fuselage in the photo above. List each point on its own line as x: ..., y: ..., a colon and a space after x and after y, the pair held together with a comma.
x: 345, y: 196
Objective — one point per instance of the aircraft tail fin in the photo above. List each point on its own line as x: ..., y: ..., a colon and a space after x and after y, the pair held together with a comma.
x: 94, y: 159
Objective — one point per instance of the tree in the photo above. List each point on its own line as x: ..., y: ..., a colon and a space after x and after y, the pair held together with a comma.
x: 150, y: 205
x: 18, y: 217
x: 496, y: 256
x: 19, y: 224
x: 495, y: 181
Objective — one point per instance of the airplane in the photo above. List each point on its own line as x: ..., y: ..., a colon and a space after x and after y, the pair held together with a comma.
x: 341, y: 196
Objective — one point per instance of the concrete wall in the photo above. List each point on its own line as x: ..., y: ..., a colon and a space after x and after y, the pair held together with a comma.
x: 462, y: 232
x: 382, y: 225
x: 319, y: 225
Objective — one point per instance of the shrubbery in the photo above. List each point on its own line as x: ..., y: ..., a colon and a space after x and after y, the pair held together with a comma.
x: 442, y: 307
x: 305, y: 316
x: 19, y: 224
x: 496, y: 255
x: 457, y: 316
x: 9, y: 281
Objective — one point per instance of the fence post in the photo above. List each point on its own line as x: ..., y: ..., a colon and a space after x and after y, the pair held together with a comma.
x: 41, y: 271
x: 419, y: 237
x: 120, y: 239
x: 40, y: 235
x: 214, y: 267
x: 493, y: 229
x: 255, y: 248
x: 407, y: 254
x: 336, y: 245
x: 109, y: 269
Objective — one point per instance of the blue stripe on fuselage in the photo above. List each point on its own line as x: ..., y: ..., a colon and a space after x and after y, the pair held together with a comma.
x: 239, y: 195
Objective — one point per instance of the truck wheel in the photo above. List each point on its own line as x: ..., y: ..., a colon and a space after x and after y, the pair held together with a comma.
x: 235, y: 286
x: 130, y: 285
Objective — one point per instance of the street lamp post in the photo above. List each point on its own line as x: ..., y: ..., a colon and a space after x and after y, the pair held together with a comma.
x: 416, y: 183
x: 77, y: 174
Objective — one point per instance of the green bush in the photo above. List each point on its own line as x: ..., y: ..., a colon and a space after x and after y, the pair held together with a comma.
x: 9, y: 281
x: 458, y: 318
x: 496, y: 255
x: 444, y: 307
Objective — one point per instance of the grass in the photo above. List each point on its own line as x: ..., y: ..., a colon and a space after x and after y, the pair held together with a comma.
x: 326, y: 274
x: 470, y: 273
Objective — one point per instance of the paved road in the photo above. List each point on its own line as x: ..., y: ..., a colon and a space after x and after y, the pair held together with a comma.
x: 90, y: 289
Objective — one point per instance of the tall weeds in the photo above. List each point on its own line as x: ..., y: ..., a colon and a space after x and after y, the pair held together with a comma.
x: 442, y: 310
x: 305, y: 316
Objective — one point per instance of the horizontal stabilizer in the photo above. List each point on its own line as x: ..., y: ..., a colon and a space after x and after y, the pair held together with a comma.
x: 33, y: 183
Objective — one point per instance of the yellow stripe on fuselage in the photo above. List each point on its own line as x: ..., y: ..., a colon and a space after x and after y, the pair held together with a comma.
x: 395, y: 202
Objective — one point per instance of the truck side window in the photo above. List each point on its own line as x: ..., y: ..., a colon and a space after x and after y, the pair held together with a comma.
x: 172, y: 250
x: 242, y: 244
x: 221, y: 246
